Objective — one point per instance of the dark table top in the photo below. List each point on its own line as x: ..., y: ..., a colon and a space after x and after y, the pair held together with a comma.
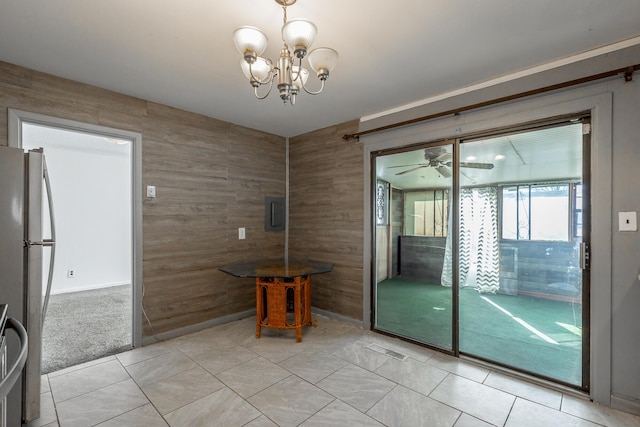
x: 278, y: 268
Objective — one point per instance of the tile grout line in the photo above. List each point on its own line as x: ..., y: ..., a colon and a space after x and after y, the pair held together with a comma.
x: 351, y: 351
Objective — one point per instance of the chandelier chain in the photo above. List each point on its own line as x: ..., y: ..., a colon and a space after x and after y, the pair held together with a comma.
x: 284, y: 13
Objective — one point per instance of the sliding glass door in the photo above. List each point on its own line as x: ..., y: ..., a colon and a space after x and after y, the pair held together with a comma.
x: 485, y: 242
x: 413, y: 277
x: 521, y: 286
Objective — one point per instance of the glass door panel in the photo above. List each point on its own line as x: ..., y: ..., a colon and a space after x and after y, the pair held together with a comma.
x: 520, y: 230
x: 413, y: 274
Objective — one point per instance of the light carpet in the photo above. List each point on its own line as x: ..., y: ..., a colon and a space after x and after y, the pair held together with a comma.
x: 86, y: 325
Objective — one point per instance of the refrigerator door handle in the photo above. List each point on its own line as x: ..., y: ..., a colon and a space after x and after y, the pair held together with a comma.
x: 49, y: 242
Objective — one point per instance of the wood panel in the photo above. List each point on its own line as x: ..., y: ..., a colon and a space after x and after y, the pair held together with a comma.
x: 326, y: 214
x: 396, y: 216
x: 382, y: 252
x: 422, y: 258
x: 544, y: 268
x: 211, y: 177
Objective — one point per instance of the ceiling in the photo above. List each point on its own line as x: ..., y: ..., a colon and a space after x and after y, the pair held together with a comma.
x: 543, y: 155
x: 391, y: 53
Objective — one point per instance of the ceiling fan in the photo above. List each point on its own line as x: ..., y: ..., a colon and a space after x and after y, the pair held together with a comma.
x: 440, y: 161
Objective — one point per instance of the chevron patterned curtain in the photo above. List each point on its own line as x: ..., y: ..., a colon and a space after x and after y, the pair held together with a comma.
x: 467, y: 216
x: 465, y: 248
x: 446, y: 278
x: 488, y: 252
x: 478, y: 241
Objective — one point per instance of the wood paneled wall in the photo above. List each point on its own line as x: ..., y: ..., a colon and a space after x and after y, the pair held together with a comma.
x: 422, y: 258
x: 326, y: 214
x: 211, y: 178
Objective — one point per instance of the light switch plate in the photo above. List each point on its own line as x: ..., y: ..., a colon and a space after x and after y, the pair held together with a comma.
x: 241, y: 233
x: 151, y: 191
x: 627, y: 221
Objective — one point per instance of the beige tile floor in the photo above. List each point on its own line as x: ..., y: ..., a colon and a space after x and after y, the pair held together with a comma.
x: 339, y: 375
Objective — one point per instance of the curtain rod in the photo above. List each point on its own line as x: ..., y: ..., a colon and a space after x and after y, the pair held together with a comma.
x: 628, y: 76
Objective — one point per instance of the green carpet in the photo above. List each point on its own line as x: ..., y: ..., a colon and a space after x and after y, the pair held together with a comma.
x: 536, y: 335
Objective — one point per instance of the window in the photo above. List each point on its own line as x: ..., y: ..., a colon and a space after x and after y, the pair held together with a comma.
x: 426, y: 213
x: 577, y: 210
x: 542, y: 211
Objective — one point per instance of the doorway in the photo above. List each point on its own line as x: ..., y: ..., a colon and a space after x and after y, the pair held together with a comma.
x: 91, y: 303
x: 490, y: 235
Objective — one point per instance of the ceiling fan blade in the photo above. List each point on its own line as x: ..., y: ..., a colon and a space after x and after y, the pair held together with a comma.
x: 471, y: 180
x: 444, y: 171
x: 412, y: 169
x: 406, y: 166
x: 444, y: 157
x: 476, y: 165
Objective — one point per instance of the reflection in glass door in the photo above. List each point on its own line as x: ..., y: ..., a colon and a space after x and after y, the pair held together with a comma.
x: 520, y: 233
x: 413, y: 293
x: 485, y: 257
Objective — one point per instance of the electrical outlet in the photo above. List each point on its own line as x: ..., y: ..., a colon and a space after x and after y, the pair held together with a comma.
x: 151, y: 191
x: 71, y: 273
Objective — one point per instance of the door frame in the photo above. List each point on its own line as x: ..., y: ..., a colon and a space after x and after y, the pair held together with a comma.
x: 580, y: 118
x: 15, y: 120
x: 453, y: 190
x: 599, y: 103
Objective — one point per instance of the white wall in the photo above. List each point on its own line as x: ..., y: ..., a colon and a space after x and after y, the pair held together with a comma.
x: 91, y: 186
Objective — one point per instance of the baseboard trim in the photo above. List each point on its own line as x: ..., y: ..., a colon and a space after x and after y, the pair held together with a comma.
x: 336, y: 316
x: 625, y: 404
x: 89, y: 288
x: 174, y: 333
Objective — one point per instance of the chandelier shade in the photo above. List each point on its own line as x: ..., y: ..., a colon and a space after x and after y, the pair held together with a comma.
x: 250, y: 40
x: 323, y: 60
x: 258, y: 72
x: 297, y: 37
x: 300, y: 77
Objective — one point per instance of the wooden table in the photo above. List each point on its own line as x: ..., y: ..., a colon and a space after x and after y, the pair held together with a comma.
x: 283, y: 291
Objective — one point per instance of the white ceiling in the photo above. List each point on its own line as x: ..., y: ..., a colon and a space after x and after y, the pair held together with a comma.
x: 391, y: 53
x: 543, y: 155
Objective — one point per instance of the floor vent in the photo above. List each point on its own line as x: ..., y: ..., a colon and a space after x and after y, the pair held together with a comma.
x: 383, y: 350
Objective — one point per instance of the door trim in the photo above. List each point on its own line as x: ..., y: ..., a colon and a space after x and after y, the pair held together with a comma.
x: 15, y: 120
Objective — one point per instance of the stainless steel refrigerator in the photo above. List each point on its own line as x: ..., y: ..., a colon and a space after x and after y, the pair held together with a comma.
x: 21, y: 263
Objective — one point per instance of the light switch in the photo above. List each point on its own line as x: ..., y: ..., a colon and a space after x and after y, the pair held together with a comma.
x: 241, y: 233
x: 627, y: 221
x: 151, y: 191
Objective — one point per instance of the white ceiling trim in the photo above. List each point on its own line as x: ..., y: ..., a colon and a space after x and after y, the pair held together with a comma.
x: 509, y: 77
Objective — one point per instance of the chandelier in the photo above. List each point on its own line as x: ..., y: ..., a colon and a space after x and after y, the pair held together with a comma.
x: 297, y: 37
